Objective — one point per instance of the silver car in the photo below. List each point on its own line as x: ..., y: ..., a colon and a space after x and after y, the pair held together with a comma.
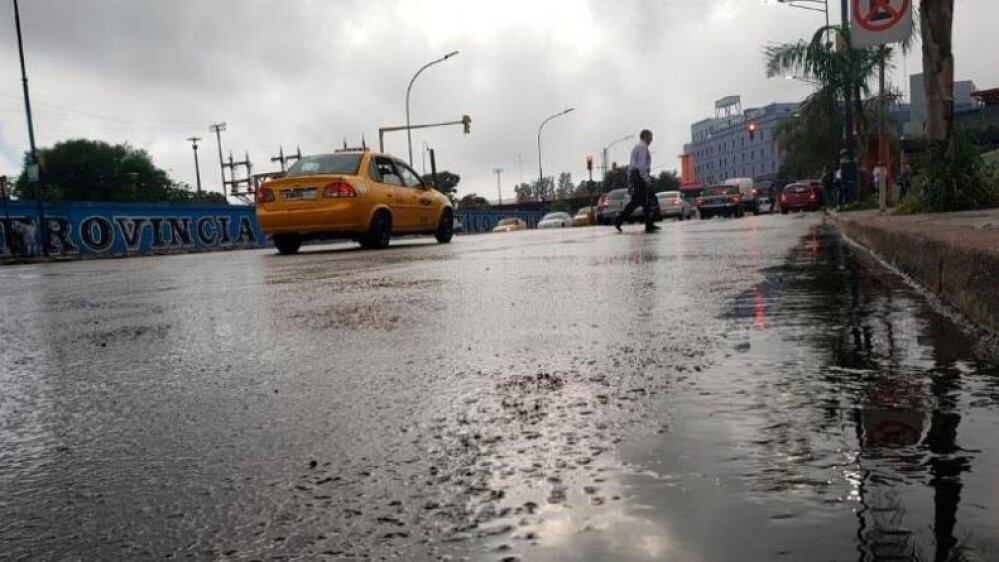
x: 673, y: 205
x: 612, y: 203
x: 555, y: 220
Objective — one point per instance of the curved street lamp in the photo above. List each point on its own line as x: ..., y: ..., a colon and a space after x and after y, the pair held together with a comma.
x: 541, y: 173
x: 604, y: 153
x: 409, y: 132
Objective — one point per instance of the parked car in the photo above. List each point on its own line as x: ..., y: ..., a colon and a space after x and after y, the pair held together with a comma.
x: 673, y: 205
x: 510, y: 225
x: 555, y: 220
x: 612, y: 203
x: 801, y: 197
x: 359, y: 195
x: 723, y: 200
x: 585, y: 217
x: 755, y: 198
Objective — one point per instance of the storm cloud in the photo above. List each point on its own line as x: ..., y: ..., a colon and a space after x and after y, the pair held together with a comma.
x: 311, y: 73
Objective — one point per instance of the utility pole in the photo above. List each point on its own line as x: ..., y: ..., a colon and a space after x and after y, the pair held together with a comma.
x: 217, y: 128
x: 33, y: 167
x: 197, y: 168
x: 283, y: 160
x: 499, y: 184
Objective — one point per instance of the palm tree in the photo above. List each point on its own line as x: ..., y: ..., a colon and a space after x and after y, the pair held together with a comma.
x: 936, y: 23
x: 817, y: 132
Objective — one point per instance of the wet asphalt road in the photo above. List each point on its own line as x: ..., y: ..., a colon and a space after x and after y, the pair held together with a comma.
x: 747, y: 389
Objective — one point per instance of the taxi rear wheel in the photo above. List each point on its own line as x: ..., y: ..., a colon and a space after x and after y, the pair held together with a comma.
x: 445, y: 230
x: 379, y: 233
x: 287, y: 244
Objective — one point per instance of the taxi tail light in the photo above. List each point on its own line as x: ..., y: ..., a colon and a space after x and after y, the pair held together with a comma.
x: 265, y: 195
x: 338, y: 190
x: 812, y: 196
x: 735, y: 200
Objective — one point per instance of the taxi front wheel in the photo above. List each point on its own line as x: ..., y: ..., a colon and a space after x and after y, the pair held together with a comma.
x: 287, y: 244
x: 445, y: 230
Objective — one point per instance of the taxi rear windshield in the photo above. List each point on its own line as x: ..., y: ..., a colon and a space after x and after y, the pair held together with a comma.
x: 340, y: 164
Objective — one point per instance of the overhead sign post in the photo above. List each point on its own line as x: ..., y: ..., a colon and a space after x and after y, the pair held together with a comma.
x: 877, y: 22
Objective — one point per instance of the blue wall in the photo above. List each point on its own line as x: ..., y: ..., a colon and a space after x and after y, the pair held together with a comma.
x: 119, y: 229
x: 484, y: 220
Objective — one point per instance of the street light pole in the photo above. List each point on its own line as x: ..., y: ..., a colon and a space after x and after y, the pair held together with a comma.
x: 499, y: 183
x: 541, y: 172
x: 197, y: 168
x: 605, y: 154
x: 39, y: 191
x: 409, y: 89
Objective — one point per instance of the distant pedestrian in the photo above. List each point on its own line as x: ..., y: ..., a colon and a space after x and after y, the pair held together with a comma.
x: 640, y: 182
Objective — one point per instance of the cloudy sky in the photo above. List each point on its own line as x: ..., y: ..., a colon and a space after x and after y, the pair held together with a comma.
x: 310, y: 72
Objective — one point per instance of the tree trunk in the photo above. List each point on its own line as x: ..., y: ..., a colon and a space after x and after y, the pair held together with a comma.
x: 936, y: 22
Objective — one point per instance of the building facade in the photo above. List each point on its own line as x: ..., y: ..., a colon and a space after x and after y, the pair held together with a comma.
x: 736, y: 143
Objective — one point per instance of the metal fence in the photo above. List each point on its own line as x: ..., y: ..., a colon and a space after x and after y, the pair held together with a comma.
x: 484, y: 220
x: 115, y: 230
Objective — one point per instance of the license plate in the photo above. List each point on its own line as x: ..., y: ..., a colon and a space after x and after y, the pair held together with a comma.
x: 299, y: 194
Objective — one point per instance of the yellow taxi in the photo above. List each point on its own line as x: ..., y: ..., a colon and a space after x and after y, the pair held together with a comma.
x: 584, y: 217
x: 352, y: 194
x: 510, y: 225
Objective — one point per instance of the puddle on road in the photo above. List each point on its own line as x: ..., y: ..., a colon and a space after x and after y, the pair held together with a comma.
x: 844, y: 418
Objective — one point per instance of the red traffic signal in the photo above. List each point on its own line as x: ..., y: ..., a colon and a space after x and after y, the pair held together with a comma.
x: 589, y: 163
x: 467, y: 122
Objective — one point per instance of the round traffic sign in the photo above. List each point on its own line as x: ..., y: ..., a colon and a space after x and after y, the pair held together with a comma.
x: 880, y: 15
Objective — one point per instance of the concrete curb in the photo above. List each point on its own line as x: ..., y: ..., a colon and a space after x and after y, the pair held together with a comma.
x: 954, y: 256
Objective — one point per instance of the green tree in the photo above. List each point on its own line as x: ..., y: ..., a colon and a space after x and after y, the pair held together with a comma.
x: 89, y: 170
x: 616, y: 178
x: 812, y: 141
x: 666, y: 181
x: 543, y: 189
x: 447, y: 183
x: 525, y: 192
x: 473, y: 201
x: 565, y: 186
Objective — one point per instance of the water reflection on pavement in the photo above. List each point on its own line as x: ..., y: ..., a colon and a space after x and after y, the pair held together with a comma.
x: 847, y: 420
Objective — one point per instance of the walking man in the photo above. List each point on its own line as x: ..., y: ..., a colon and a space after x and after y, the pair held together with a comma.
x: 640, y: 181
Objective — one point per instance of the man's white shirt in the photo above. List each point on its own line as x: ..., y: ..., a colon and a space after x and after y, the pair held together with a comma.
x: 641, y: 160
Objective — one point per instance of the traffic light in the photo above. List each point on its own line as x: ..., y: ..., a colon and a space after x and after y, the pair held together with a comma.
x: 467, y: 122
x: 752, y: 131
x: 589, y: 163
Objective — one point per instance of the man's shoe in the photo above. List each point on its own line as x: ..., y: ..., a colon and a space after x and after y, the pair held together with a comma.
x: 652, y: 228
x: 617, y: 225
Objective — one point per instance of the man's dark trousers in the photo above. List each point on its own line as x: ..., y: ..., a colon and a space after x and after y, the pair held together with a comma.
x: 639, y: 198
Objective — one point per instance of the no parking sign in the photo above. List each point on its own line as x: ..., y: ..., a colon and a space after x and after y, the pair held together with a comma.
x: 876, y: 22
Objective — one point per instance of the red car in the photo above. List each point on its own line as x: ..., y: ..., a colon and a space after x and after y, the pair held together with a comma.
x: 801, y: 197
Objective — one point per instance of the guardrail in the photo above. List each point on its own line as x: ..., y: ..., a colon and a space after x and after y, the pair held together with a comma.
x: 94, y: 230
x: 485, y: 220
